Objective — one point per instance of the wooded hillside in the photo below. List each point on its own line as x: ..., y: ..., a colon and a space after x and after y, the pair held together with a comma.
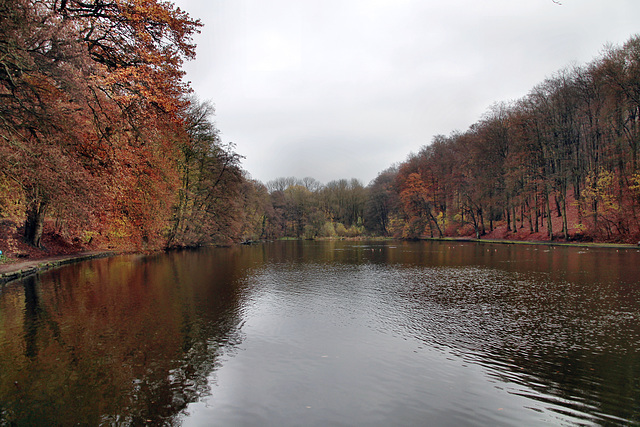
x: 560, y: 163
x: 570, y: 145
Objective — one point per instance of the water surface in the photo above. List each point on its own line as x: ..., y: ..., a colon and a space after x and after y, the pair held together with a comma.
x: 327, y: 333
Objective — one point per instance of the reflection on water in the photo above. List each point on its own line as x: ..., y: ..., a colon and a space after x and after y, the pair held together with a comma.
x: 126, y: 340
x: 327, y: 333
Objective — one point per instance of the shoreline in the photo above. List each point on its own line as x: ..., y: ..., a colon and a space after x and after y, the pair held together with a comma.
x: 463, y: 239
x: 536, y: 242
x: 19, y: 268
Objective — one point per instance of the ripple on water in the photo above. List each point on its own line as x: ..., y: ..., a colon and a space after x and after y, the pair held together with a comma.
x: 537, y: 337
x: 369, y: 334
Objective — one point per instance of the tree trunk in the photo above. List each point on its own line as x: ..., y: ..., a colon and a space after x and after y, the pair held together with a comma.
x: 435, y: 222
x: 537, y: 211
x: 530, y: 215
x: 565, y: 222
x: 474, y: 218
x: 491, y: 219
x: 558, y: 210
x: 34, y: 222
x: 548, y: 214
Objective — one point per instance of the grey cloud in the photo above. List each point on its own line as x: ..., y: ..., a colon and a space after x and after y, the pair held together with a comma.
x: 296, y: 82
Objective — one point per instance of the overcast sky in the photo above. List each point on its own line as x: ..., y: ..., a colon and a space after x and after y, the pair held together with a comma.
x: 344, y: 89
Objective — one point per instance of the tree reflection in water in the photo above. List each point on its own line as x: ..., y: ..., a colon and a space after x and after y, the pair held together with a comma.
x: 115, y: 341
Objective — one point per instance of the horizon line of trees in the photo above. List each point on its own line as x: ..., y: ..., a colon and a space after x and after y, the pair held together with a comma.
x: 570, y: 145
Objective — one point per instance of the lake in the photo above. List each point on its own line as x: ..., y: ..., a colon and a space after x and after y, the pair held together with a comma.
x: 327, y: 333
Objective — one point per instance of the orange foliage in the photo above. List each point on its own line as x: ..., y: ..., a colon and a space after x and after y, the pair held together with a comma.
x: 93, y: 117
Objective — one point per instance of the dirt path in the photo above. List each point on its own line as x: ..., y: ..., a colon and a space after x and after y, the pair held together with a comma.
x: 14, y: 269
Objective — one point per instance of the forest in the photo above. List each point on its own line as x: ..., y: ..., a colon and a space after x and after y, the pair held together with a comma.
x: 561, y: 163
x: 103, y: 145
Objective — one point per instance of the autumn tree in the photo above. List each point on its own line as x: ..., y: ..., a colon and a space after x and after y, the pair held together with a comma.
x: 210, y: 194
x: 382, y: 203
x: 84, y: 84
x: 343, y: 201
x: 45, y: 120
x: 420, y: 196
x: 571, y: 142
x: 259, y: 213
x: 282, y: 183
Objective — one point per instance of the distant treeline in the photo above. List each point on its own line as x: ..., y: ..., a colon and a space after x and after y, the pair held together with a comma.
x: 567, y: 150
x: 102, y: 142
